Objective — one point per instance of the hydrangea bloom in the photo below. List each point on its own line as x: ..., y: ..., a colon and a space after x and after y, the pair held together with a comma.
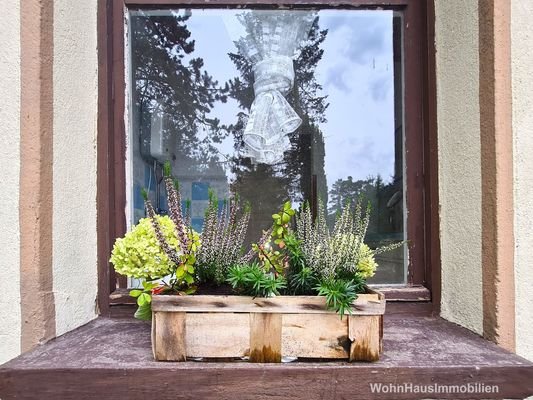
x: 138, y: 253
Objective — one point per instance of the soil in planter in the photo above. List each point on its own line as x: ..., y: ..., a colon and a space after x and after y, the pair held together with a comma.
x: 210, y: 288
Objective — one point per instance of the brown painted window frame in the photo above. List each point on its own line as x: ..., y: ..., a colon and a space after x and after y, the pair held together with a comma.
x: 420, y: 136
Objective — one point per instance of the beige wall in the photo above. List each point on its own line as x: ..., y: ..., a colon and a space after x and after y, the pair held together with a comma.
x: 75, y: 122
x: 9, y: 193
x: 522, y: 81
x: 74, y: 166
x: 459, y: 161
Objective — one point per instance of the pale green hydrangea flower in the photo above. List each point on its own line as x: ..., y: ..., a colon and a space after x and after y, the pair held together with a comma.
x: 138, y: 253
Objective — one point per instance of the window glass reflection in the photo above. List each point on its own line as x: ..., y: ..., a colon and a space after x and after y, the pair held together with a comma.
x: 192, y: 88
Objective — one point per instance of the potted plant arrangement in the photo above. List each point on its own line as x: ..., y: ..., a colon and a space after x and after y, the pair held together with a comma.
x: 300, y: 291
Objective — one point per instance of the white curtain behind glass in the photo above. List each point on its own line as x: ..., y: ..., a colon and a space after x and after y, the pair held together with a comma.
x: 271, y: 44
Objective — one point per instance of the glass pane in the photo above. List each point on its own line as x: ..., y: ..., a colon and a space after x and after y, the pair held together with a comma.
x: 273, y: 105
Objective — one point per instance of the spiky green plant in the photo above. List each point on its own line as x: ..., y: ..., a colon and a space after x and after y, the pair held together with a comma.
x: 253, y: 280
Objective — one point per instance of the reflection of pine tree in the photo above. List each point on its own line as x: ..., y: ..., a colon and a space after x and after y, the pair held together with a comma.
x: 170, y: 81
x: 267, y: 187
x: 386, y: 213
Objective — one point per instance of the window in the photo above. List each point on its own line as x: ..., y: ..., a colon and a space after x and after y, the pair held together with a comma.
x: 354, y: 84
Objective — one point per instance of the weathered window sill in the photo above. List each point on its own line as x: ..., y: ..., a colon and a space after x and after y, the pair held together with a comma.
x: 111, y: 358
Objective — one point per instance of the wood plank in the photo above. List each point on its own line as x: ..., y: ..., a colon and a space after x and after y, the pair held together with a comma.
x: 315, y: 336
x: 217, y: 335
x: 366, y: 304
x: 265, y: 337
x: 152, y: 335
x: 169, y: 337
x: 243, y: 381
x: 406, y: 293
x: 363, y: 331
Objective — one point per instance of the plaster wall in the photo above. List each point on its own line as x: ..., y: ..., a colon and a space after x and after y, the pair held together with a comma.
x: 457, y: 63
x: 10, y: 322
x: 522, y: 86
x: 75, y: 127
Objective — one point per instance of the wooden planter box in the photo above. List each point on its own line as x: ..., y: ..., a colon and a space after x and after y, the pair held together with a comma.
x: 265, y: 329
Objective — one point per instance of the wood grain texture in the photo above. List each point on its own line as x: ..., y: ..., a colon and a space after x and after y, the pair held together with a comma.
x: 265, y: 338
x: 265, y: 329
x: 364, y: 332
x: 366, y: 304
x: 314, y: 336
x: 214, y: 335
x: 168, y: 339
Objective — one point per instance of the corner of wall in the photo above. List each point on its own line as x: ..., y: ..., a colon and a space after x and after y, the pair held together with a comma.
x: 75, y: 128
x: 522, y: 87
x: 10, y: 324
x: 457, y: 63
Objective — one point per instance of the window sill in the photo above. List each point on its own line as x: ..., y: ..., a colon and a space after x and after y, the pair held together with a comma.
x: 112, y: 358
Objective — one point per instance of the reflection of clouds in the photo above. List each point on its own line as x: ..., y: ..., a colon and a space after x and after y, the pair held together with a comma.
x: 380, y: 88
x: 360, y: 40
x: 366, y: 41
x: 335, y: 77
x: 357, y: 71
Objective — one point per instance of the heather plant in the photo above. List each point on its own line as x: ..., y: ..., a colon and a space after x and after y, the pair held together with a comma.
x: 160, y: 250
x: 266, y: 277
x: 222, y: 238
x: 309, y: 259
x: 312, y: 260
x: 342, y: 252
x: 337, y: 263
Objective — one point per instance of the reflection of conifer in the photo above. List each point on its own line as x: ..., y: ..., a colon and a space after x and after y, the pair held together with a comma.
x: 169, y: 80
x: 385, y: 217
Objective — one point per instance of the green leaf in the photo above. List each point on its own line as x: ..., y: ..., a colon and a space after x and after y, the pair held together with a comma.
x: 190, y: 290
x: 167, y: 169
x: 149, y: 285
x: 144, y: 299
x: 180, y: 272
x: 144, y: 194
x: 135, y: 293
x: 144, y: 312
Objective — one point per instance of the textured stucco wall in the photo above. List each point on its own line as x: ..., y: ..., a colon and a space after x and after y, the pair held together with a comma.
x: 459, y: 161
x: 9, y: 194
x: 522, y: 81
x: 75, y: 123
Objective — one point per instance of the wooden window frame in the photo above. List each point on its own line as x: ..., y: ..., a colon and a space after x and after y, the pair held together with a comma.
x: 420, y: 136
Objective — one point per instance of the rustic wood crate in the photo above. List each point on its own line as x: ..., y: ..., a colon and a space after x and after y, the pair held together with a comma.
x: 265, y: 329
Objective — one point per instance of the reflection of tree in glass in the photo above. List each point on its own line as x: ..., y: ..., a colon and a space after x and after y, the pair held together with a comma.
x: 169, y: 81
x: 384, y: 200
x: 268, y: 186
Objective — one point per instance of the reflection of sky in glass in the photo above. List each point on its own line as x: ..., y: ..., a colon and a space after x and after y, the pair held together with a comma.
x: 356, y: 72
x: 357, y: 75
